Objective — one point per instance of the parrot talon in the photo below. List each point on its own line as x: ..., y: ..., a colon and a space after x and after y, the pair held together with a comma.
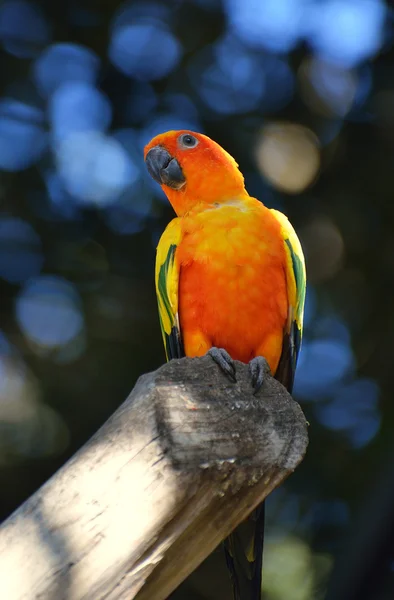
x: 224, y: 361
x: 257, y: 369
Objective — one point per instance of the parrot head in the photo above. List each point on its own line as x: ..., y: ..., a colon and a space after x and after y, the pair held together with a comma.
x: 193, y: 170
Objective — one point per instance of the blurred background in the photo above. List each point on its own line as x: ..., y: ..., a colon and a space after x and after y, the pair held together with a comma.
x: 301, y: 93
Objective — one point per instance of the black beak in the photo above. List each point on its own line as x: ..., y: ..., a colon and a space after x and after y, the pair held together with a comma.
x: 164, y: 168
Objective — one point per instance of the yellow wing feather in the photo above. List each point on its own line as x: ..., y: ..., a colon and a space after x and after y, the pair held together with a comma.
x: 295, y: 271
x: 296, y: 287
x: 167, y: 281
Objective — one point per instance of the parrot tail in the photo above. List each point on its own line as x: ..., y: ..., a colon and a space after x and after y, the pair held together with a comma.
x: 244, y: 556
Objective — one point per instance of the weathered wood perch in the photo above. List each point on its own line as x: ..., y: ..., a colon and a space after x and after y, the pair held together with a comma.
x: 169, y: 475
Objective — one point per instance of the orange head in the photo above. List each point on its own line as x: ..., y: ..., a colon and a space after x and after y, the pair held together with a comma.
x: 193, y: 170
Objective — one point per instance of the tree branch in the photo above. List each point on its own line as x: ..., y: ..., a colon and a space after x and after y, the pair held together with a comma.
x: 174, y: 470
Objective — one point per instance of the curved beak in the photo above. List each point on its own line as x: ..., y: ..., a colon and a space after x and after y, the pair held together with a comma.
x: 164, y: 168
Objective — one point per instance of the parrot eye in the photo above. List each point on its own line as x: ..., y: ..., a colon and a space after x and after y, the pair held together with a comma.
x: 188, y: 141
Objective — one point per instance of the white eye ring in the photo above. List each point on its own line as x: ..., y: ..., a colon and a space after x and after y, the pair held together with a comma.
x: 186, y: 140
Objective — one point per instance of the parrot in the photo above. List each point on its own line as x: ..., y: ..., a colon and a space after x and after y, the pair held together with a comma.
x: 230, y: 282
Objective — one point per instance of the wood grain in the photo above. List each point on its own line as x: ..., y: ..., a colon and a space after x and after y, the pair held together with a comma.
x: 175, y: 469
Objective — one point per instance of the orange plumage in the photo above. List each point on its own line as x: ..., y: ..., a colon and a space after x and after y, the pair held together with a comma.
x: 232, y: 292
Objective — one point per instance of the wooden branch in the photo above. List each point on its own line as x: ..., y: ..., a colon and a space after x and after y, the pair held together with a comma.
x: 182, y: 462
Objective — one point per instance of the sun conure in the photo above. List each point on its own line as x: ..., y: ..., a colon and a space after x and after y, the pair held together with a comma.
x: 230, y: 281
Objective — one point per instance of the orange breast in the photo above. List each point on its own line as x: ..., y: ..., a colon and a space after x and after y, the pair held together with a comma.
x: 232, y: 282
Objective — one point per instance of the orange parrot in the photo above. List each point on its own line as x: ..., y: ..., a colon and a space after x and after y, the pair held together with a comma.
x: 230, y: 282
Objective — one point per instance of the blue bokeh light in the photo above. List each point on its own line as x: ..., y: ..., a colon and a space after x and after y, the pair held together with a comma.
x: 127, y: 216
x: 232, y: 79
x: 129, y: 139
x: 22, y: 138
x: 24, y: 31
x: 343, y: 91
x: 62, y: 204
x: 95, y: 168
x: 233, y: 83
x: 65, y: 62
x: 347, y: 32
x: 77, y: 106
x: 275, y: 25
x: 354, y: 411
x: 48, y: 311
x: 336, y: 87
x: 145, y: 51
x: 20, y: 250
x: 332, y: 327
x: 322, y: 365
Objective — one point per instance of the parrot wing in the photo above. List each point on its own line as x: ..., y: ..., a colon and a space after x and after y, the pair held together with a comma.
x: 296, y: 287
x: 167, y: 280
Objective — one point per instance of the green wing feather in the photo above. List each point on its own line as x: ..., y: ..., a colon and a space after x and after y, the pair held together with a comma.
x: 167, y: 281
x: 296, y: 287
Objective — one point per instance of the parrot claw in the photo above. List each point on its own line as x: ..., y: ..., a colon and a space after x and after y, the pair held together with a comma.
x: 257, y: 369
x: 224, y: 361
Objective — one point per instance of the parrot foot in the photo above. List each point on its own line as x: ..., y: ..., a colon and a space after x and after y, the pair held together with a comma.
x: 224, y: 361
x: 257, y: 369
